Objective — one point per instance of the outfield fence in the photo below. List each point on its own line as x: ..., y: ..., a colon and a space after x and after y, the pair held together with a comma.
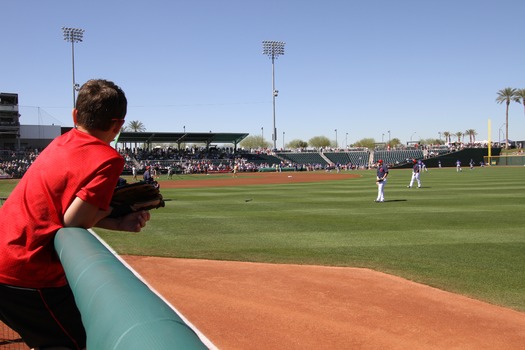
x: 518, y: 160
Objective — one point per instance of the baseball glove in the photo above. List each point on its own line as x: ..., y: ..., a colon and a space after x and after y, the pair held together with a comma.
x: 129, y: 198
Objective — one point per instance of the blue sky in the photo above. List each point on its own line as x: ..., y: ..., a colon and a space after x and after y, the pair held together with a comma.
x: 412, y: 67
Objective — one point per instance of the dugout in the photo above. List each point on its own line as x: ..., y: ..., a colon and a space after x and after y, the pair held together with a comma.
x: 179, y: 138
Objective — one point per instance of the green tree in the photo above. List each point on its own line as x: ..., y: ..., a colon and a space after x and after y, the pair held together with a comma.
x: 431, y: 142
x: 458, y: 135
x: 506, y: 96
x: 319, y: 142
x: 254, y: 141
x: 394, y: 142
x: 366, y: 142
x: 297, y: 144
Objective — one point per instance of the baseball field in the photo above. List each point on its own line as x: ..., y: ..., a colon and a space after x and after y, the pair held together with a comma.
x: 309, y: 260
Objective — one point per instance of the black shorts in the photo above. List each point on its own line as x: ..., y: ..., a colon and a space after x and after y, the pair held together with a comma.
x: 43, y: 317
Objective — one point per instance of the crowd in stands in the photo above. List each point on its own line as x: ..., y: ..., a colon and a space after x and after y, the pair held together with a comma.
x: 15, y: 164
x: 195, y: 160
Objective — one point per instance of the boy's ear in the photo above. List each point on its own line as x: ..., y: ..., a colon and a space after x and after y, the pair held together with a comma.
x: 118, y: 125
x: 74, y: 113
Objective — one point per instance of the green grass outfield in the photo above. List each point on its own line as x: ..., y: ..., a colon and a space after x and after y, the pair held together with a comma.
x: 462, y: 232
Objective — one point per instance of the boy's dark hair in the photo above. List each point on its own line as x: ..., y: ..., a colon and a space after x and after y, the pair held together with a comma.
x: 100, y: 102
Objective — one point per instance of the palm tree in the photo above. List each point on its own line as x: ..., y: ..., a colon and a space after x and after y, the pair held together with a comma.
x: 136, y: 126
x: 520, y: 96
x: 506, y: 95
x: 472, y: 135
x: 459, y: 134
x: 447, y: 135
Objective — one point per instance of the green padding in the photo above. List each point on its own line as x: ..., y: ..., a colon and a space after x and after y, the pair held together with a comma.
x: 272, y: 170
x: 118, y: 310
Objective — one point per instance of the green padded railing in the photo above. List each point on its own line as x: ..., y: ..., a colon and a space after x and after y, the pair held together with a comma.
x: 118, y: 310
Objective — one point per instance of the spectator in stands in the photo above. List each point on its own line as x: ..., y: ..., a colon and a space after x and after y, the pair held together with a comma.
x: 35, y: 298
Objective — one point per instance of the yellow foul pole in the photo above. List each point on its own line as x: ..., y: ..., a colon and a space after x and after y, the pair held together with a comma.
x: 490, y: 143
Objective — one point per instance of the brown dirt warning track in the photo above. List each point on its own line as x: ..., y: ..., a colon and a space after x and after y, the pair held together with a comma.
x: 243, y: 179
x: 239, y: 305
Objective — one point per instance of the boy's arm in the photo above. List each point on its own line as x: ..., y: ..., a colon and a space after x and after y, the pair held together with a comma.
x: 132, y: 222
x: 83, y: 214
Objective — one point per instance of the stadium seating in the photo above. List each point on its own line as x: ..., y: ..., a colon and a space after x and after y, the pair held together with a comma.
x: 261, y: 158
x: 398, y: 156
x: 304, y: 158
x: 357, y: 158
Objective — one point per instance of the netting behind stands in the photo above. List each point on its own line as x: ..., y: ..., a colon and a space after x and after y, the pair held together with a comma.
x: 10, y: 340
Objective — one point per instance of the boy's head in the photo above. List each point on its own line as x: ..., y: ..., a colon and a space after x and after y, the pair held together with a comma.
x: 99, y: 103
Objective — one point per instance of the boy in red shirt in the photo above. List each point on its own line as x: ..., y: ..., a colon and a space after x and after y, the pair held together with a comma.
x: 70, y: 184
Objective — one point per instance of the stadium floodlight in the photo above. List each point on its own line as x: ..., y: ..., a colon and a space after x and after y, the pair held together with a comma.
x: 73, y: 35
x: 273, y: 49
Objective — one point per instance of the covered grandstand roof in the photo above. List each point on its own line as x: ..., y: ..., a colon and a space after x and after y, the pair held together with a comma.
x: 181, y: 137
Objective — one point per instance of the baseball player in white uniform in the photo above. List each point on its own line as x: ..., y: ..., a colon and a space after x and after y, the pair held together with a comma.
x: 382, y: 173
x: 416, y: 171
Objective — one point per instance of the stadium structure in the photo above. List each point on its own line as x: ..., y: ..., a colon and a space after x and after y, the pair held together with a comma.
x: 16, y: 138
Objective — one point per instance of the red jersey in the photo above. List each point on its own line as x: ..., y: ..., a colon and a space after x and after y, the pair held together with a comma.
x: 75, y: 164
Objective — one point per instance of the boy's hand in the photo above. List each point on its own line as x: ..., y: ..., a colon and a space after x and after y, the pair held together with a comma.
x: 134, y: 222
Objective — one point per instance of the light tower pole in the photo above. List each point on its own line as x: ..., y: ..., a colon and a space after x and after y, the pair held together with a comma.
x: 273, y: 49
x: 73, y: 35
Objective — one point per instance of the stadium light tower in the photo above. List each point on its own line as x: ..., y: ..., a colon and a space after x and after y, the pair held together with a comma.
x: 73, y: 35
x: 273, y: 49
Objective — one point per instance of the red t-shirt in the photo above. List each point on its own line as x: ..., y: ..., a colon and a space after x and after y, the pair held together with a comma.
x: 75, y: 164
